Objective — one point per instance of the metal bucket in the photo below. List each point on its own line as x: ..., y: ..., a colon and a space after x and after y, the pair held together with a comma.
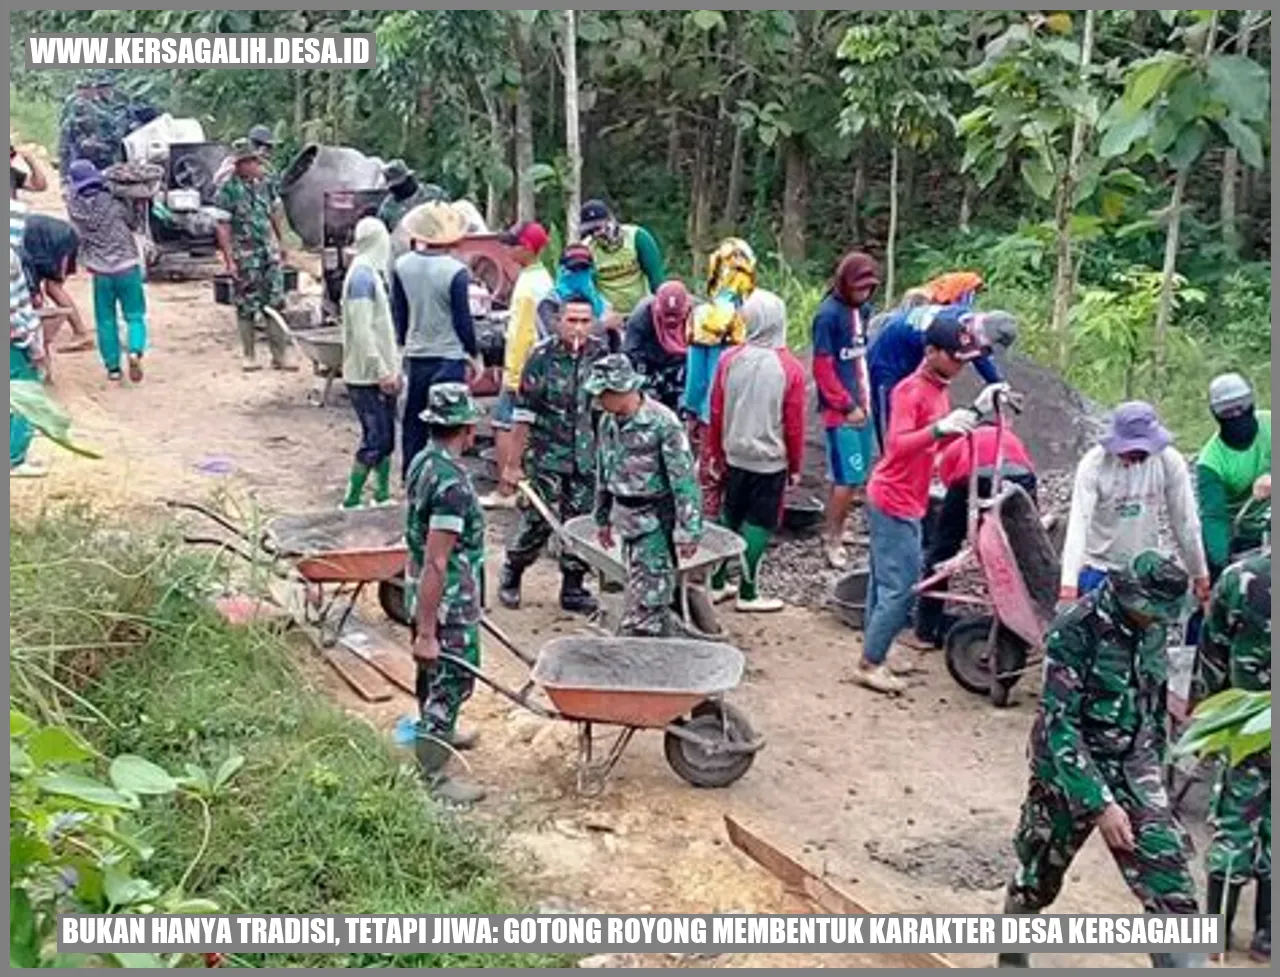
x: 849, y: 597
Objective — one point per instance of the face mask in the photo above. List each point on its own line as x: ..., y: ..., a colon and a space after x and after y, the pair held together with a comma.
x: 404, y: 189
x: 1238, y: 432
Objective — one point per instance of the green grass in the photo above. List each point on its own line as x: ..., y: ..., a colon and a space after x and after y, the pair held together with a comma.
x: 325, y: 817
x: 34, y: 119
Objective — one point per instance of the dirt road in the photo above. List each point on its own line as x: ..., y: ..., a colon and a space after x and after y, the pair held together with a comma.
x: 908, y: 804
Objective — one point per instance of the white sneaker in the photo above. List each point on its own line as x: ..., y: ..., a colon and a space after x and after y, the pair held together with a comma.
x: 28, y: 469
x: 899, y: 662
x: 759, y: 605
x: 837, y: 557
x: 496, y: 500
x: 721, y: 594
x: 877, y: 678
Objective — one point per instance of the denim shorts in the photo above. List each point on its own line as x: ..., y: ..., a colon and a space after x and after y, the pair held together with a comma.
x: 503, y: 413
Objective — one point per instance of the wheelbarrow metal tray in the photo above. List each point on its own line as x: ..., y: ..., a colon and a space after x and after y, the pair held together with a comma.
x: 642, y: 682
x: 717, y: 544
x: 323, y: 347
x: 352, y: 545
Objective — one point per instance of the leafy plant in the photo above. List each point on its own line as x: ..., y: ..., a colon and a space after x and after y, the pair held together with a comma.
x: 1234, y: 722
x: 28, y: 399
x: 71, y: 844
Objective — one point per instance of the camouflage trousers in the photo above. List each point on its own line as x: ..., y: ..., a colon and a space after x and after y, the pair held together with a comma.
x: 651, y: 584
x: 259, y: 284
x: 1240, y: 817
x: 567, y: 495
x: 1050, y: 834
x: 442, y: 687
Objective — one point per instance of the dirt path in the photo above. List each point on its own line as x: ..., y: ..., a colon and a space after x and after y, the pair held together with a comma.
x: 908, y: 804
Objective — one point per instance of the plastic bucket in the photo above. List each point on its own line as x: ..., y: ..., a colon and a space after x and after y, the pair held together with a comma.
x: 849, y: 597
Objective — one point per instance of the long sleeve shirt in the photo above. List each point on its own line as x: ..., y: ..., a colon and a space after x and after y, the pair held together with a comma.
x: 840, y: 360
x: 1116, y: 508
x: 1224, y: 483
x: 368, y: 337
x: 523, y: 332
x: 955, y: 463
x: 899, y: 484
x: 416, y: 308
x: 898, y: 348
x: 758, y: 411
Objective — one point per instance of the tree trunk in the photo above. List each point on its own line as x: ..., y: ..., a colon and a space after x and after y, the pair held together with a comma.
x: 1229, y: 206
x: 673, y: 144
x: 890, y: 258
x: 299, y: 103
x: 907, y: 184
x: 795, y: 202
x: 857, y: 192
x: 966, y: 205
x: 525, y: 201
x: 1064, y: 277
x: 1165, y: 309
x: 706, y: 196
x: 733, y: 195
x: 573, y: 148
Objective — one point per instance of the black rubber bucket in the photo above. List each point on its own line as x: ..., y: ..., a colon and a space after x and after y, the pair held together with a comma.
x: 849, y: 597
x: 224, y: 289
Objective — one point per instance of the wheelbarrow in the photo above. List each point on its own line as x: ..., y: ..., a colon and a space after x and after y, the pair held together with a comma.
x: 673, y: 684
x: 323, y: 347
x: 578, y: 537
x: 334, y: 554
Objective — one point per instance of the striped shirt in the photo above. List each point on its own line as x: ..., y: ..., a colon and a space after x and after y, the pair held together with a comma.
x: 24, y: 326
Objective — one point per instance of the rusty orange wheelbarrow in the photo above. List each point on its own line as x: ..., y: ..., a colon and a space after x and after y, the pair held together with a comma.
x: 334, y: 553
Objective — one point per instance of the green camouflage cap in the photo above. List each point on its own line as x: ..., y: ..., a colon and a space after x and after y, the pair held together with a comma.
x: 242, y: 150
x: 450, y: 405
x: 614, y: 373
x: 1153, y: 584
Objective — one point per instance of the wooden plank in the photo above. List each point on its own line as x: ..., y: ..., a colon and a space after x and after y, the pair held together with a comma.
x: 800, y: 880
x: 367, y: 682
x: 386, y: 657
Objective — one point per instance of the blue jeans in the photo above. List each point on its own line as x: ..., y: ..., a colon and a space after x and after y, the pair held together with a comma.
x: 895, y: 570
x: 376, y: 411
x: 422, y: 374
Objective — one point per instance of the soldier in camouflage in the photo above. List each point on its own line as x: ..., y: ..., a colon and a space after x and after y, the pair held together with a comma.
x: 1098, y: 749
x: 251, y: 239
x: 646, y: 492
x: 1235, y: 653
x: 555, y: 432
x: 404, y: 192
x: 94, y: 120
x: 263, y: 140
x: 445, y: 583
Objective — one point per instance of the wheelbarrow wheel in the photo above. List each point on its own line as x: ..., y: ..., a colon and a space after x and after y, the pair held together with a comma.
x: 717, y: 722
x: 391, y: 597
x: 969, y: 658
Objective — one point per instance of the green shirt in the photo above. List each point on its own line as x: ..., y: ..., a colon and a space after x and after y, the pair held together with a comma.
x: 441, y: 497
x: 1225, y: 480
x: 630, y: 271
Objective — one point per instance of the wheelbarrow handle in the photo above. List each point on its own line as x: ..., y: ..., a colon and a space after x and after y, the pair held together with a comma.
x: 504, y: 639
x: 221, y: 520
x: 519, y: 698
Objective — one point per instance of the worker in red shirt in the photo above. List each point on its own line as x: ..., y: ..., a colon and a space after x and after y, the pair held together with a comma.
x: 921, y: 419
x: 954, y: 468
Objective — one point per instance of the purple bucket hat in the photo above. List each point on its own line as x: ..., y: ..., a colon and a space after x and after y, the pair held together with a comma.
x: 1135, y: 427
x: 83, y: 175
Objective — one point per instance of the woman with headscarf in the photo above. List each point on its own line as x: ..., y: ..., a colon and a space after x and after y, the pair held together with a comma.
x: 370, y: 366
x: 844, y: 389
x: 576, y: 281
x: 657, y: 341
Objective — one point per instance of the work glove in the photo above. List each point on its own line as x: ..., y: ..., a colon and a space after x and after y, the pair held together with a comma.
x: 960, y: 421
x: 985, y: 402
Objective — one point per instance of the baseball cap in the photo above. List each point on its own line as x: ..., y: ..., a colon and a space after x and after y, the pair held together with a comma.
x: 528, y: 234
x: 592, y: 215
x: 1229, y: 394
x: 951, y: 334
x: 576, y: 257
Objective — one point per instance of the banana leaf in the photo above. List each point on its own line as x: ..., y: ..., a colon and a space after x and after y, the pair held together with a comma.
x: 28, y: 399
x: 1234, y: 722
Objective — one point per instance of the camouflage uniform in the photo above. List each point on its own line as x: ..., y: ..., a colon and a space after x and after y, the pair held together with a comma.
x: 93, y: 127
x: 1099, y: 737
x: 392, y: 209
x: 259, y: 277
x: 441, y: 497
x: 1235, y: 653
x: 560, y: 456
x: 646, y: 489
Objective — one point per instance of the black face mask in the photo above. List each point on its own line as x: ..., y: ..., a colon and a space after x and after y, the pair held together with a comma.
x: 1238, y: 432
x: 405, y: 189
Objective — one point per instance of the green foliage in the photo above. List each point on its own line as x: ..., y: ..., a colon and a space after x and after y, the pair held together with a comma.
x: 34, y: 117
x: 284, y: 804
x: 29, y: 399
x: 1234, y: 722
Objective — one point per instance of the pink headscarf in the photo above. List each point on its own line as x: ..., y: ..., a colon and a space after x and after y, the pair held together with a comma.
x: 671, y: 305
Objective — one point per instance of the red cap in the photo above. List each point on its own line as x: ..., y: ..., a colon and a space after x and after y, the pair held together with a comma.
x: 530, y: 235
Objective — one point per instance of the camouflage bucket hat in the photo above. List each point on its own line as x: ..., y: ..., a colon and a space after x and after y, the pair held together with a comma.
x: 614, y: 373
x: 1153, y: 584
x: 450, y: 405
x: 242, y: 150
x: 1257, y: 596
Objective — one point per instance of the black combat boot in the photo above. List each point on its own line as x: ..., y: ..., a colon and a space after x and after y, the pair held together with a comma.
x: 1018, y: 960
x: 433, y: 756
x: 509, y: 586
x: 574, y: 597
x: 1222, y: 898
x: 1260, y: 946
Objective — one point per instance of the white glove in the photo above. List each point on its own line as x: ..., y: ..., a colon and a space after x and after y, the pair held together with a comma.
x: 962, y: 420
x: 985, y: 402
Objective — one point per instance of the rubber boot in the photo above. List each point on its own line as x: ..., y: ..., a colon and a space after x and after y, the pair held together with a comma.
x: 1260, y: 945
x: 1019, y: 960
x: 464, y: 739
x: 382, y: 482
x: 1221, y: 898
x: 247, y: 328
x: 433, y: 756
x: 509, y: 586
x: 355, y: 486
x: 1178, y: 960
x: 574, y: 597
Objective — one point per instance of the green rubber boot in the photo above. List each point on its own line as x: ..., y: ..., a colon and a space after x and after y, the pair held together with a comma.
x: 382, y: 482
x: 355, y: 486
x: 433, y: 755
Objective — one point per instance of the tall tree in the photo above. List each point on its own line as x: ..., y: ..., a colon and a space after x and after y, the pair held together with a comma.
x: 573, y: 148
